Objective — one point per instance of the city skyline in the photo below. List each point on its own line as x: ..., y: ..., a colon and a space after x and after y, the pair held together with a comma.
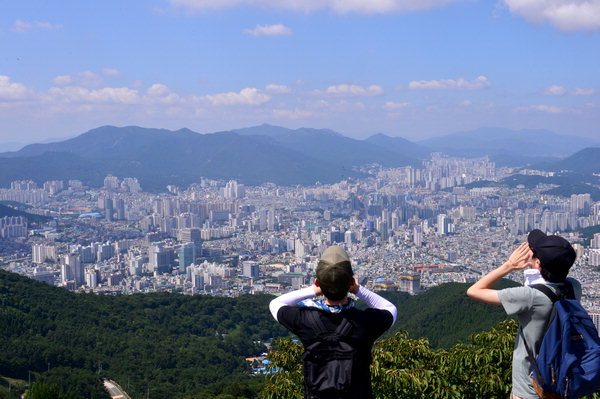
x: 403, y: 68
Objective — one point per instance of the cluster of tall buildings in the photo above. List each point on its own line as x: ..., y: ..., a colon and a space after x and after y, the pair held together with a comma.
x: 407, y: 229
x: 577, y: 213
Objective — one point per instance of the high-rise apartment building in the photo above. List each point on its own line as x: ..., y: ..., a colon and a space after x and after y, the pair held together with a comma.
x: 187, y: 255
x: 41, y: 253
x: 13, y: 226
x: 91, y: 277
x: 581, y: 204
x: 442, y: 224
x: 53, y: 187
x: 108, y: 209
x: 595, y: 242
x: 76, y: 269
x: 120, y: 208
x: 23, y: 185
x: 160, y: 259
x: 250, y: 269
x: 234, y: 190
x: 111, y: 183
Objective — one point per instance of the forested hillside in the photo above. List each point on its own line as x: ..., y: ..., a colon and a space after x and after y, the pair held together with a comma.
x: 176, y: 346
x: 171, y: 345
x: 444, y: 314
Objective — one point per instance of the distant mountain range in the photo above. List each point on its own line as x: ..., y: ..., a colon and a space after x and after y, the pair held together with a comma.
x: 509, y: 147
x: 158, y: 157
x: 254, y: 155
x: 577, y: 174
x: 329, y: 146
x: 584, y: 161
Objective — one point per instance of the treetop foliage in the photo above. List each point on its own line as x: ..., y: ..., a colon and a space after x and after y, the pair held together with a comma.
x: 410, y: 368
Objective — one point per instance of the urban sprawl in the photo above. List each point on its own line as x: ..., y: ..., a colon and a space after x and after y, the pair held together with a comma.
x: 406, y: 229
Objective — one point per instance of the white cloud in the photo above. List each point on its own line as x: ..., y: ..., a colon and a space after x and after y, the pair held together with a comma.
x: 85, y: 78
x: 63, y: 80
x: 13, y: 91
x: 551, y: 109
x: 159, y: 93
x: 583, y: 91
x: 269, y: 30
x: 247, y: 96
x: 339, y: 6
x: 73, y: 94
x: 350, y: 90
x: 111, y: 72
x: 566, y: 15
x: 555, y: 91
x: 479, y: 83
x: 394, y: 106
x: 561, y: 91
x: 278, y: 89
x: 24, y: 27
x: 158, y: 90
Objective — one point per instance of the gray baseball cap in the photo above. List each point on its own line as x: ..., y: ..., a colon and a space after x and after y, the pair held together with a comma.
x: 334, y: 272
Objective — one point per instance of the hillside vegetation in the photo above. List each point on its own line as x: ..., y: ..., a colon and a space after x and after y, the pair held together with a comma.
x: 444, y: 314
x: 171, y: 345
x: 175, y: 346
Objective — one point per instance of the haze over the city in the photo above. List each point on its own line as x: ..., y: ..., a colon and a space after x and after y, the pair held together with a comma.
x: 408, y: 68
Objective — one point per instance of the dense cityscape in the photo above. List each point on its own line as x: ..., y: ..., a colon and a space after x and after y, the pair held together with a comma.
x: 406, y: 229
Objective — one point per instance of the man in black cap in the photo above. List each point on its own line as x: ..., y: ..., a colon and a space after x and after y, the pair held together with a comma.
x: 313, y: 319
x: 552, y: 256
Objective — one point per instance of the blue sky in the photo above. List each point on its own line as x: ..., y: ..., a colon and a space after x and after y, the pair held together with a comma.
x: 409, y: 68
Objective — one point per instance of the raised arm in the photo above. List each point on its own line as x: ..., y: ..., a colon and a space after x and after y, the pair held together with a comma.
x: 373, y: 300
x: 483, y: 291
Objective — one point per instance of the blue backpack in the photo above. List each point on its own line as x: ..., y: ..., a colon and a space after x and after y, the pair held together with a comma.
x: 568, y: 362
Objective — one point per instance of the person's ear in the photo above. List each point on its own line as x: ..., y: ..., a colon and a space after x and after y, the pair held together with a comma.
x: 317, y: 282
x: 536, y: 264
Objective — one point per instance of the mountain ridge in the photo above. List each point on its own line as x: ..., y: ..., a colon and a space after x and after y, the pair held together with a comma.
x: 253, y: 155
x: 494, y: 141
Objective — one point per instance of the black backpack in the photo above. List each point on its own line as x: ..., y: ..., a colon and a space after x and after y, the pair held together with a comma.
x: 328, y: 362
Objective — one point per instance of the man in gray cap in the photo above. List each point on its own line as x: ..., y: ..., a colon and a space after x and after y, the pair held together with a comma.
x: 552, y: 256
x: 333, y: 322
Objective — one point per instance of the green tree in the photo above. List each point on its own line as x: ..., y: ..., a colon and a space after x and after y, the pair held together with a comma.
x: 409, y: 368
x: 43, y: 391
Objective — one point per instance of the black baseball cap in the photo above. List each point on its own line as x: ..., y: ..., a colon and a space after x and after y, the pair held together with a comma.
x: 554, y: 252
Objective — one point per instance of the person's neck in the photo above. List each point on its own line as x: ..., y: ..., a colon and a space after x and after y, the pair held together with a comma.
x: 343, y: 301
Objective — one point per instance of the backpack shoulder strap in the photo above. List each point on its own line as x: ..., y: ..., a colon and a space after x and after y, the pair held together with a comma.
x: 344, y: 328
x: 565, y: 290
x: 568, y: 290
x: 547, y: 291
x: 531, y: 356
x: 315, y: 322
x: 543, y: 288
